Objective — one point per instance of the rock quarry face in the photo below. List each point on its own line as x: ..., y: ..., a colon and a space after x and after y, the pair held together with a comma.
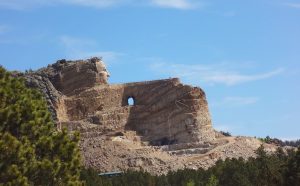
x: 164, y: 111
x: 167, y: 128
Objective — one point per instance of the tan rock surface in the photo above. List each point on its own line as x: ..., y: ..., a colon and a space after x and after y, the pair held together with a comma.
x: 168, y: 127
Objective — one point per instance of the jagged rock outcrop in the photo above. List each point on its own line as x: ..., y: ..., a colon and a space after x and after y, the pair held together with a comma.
x: 169, y: 122
x: 164, y: 111
x: 64, y: 78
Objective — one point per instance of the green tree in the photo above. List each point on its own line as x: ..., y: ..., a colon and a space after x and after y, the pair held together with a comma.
x: 33, y: 152
x: 270, y: 167
x: 91, y: 178
x: 292, y: 175
x: 212, y: 181
x: 190, y: 183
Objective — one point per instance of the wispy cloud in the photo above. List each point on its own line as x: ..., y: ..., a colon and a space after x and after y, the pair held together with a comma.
x: 235, y: 101
x: 95, y: 3
x: 210, y: 74
x: 78, y: 48
x: 178, y: 4
x: 23, y: 5
x: 292, y: 5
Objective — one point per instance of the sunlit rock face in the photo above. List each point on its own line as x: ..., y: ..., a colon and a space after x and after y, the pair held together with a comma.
x: 71, y: 76
x: 166, y: 126
x: 164, y: 120
x: 164, y: 111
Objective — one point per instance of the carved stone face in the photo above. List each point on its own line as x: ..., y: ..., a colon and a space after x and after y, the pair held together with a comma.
x: 101, y: 68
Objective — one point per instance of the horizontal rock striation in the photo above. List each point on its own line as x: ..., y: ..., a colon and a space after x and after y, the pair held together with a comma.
x: 64, y: 78
x: 165, y: 113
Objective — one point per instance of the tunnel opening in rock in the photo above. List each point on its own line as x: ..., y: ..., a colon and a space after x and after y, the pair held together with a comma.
x: 163, y: 141
x: 130, y: 101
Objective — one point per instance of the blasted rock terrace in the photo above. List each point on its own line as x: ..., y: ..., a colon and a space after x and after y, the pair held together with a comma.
x: 156, y: 126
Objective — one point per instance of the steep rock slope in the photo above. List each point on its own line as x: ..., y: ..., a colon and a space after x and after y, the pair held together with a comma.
x: 168, y: 127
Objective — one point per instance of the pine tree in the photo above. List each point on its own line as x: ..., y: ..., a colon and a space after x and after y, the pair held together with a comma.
x: 269, y: 168
x: 213, y: 181
x: 33, y: 152
x: 292, y: 176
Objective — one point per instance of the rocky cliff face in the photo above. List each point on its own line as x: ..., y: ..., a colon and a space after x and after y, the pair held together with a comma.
x: 64, y: 78
x: 164, y: 111
x: 167, y: 120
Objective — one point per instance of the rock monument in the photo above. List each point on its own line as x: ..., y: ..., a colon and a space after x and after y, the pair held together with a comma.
x: 168, y: 127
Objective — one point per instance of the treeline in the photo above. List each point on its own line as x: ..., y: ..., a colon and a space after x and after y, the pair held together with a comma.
x: 281, y: 168
x: 292, y: 143
x: 225, y: 133
x: 269, y: 140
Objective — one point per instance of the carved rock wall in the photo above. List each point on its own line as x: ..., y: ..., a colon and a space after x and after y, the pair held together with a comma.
x: 165, y: 111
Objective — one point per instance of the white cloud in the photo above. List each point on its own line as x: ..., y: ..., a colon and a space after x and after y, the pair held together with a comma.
x: 210, y: 74
x: 78, y: 48
x: 94, y: 3
x: 293, y: 5
x: 28, y: 4
x: 179, y: 4
x: 22, y: 4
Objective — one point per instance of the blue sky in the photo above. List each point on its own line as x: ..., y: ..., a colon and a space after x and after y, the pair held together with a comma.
x: 244, y: 54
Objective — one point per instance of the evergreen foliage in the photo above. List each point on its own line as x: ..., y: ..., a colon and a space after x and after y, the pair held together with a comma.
x: 292, y: 143
x: 33, y: 152
x: 225, y: 133
x: 91, y: 178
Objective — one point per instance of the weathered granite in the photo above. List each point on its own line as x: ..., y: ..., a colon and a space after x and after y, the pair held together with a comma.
x: 165, y: 111
x: 168, y: 127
